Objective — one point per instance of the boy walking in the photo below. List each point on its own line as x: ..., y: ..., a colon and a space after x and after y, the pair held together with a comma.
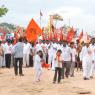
x: 58, y: 66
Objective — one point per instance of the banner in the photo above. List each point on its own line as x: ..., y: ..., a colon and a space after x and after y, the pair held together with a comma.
x: 58, y: 34
x: 33, y: 31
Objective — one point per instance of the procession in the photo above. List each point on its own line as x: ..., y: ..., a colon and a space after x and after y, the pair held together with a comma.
x: 56, y: 56
x: 47, y: 49
x: 62, y: 59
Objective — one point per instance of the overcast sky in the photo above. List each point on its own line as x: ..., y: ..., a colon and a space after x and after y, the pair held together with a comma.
x: 80, y: 12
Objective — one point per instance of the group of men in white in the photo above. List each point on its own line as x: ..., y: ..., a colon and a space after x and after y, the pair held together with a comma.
x: 49, y: 50
x: 69, y: 56
x: 7, y: 57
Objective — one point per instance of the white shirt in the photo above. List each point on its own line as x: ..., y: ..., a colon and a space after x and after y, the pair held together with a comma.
x: 47, y: 46
x: 59, y: 47
x: 38, y: 47
x: 93, y: 51
x: 74, y: 53
x: 50, y: 49
x: 7, y: 48
x: 86, y: 53
x: 66, y: 53
x: 54, y: 45
x: 27, y: 48
x: 37, y: 62
x: 58, y: 64
x: 44, y: 47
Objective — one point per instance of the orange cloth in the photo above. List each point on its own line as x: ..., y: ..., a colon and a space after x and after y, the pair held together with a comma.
x: 44, y: 65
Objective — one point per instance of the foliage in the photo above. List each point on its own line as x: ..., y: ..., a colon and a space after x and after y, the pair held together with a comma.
x: 9, y: 26
x: 3, y: 11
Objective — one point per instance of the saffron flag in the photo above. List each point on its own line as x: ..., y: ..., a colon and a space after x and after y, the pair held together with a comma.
x: 80, y: 36
x: 58, y: 35
x: 70, y: 35
x: 33, y: 31
x: 50, y: 36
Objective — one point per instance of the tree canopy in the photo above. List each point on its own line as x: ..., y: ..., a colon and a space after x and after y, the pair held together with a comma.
x: 3, y: 11
x: 7, y: 25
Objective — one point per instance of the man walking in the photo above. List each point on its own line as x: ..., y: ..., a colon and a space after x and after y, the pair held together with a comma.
x: 66, y: 54
x: 92, y: 45
x: 18, y: 56
x: 73, y: 59
x: 86, y: 57
x: 26, y: 52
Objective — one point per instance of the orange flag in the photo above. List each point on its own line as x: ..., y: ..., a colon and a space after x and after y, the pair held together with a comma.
x: 70, y: 35
x: 58, y: 35
x: 32, y: 31
x: 80, y: 36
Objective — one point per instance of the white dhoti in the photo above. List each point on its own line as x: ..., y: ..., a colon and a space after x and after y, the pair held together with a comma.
x: 44, y: 57
x: 50, y: 59
x: 92, y: 70
x: 4, y: 61
x: 38, y: 73
x: 53, y: 62
x: 86, y: 64
x: 1, y: 61
x: 26, y: 59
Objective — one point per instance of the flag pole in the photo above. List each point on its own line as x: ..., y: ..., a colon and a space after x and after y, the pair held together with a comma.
x: 40, y: 18
x: 69, y: 22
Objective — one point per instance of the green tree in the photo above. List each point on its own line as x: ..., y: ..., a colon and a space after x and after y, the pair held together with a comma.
x: 9, y: 26
x: 3, y: 10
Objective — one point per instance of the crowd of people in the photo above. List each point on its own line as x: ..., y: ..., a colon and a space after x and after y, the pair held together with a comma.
x: 61, y: 57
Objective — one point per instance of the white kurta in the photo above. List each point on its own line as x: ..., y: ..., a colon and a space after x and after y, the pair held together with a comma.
x: 26, y: 52
x: 59, y: 47
x: 93, y: 63
x: 86, y: 58
x: 38, y: 67
x: 50, y: 53
x: 44, y: 47
x: 74, y: 53
x: 38, y: 47
x: 54, y: 53
x: 66, y: 53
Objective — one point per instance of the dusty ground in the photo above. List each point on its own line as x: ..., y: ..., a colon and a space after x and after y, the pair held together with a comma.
x: 16, y: 85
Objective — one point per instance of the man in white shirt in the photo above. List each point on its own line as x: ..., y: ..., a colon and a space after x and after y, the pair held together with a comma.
x: 66, y: 54
x: 44, y: 47
x: 47, y: 47
x: 58, y: 66
x: 51, y: 54
x: 59, y: 46
x: 92, y: 45
x: 87, y: 58
x: 54, y: 52
x: 73, y: 59
x: 1, y: 54
x: 38, y: 46
x: 26, y: 52
x: 8, y: 53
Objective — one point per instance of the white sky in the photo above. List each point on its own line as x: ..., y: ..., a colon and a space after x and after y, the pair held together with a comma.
x: 80, y: 12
